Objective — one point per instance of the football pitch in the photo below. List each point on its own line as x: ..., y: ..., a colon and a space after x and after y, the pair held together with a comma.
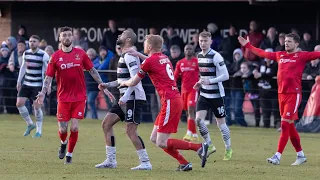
x: 32, y: 159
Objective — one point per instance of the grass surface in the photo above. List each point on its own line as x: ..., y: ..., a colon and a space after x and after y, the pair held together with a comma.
x: 27, y: 158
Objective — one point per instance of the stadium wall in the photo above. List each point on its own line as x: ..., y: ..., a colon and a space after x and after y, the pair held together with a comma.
x: 44, y: 18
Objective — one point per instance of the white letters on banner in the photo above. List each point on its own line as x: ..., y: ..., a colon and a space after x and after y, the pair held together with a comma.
x: 93, y: 34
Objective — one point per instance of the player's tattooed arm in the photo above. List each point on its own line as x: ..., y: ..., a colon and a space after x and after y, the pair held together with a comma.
x: 96, y: 76
x: 46, y: 84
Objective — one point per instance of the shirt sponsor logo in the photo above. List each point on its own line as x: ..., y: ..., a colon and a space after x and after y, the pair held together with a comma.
x: 287, y: 61
x: 183, y: 69
x: 68, y: 65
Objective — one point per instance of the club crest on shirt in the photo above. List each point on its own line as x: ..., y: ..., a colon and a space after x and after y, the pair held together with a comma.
x: 77, y: 57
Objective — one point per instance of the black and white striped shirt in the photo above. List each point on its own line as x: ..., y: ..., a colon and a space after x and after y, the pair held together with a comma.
x: 211, y: 65
x: 33, y: 67
x: 128, y: 67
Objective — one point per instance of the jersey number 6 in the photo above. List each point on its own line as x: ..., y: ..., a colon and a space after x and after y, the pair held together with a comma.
x: 169, y: 72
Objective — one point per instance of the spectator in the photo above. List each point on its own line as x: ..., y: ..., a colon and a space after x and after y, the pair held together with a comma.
x: 307, y: 44
x: 43, y: 44
x: 216, y: 36
x: 8, y: 79
x: 173, y: 38
x: 175, y: 55
x: 15, y: 59
x: 153, y: 31
x: 79, y: 40
x: 268, y: 90
x: 92, y: 86
x: 228, y: 45
x: 313, y: 68
x: 237, y: 93
x: 110, y: 37
x: 280, y: 47
x: 250, y: 86
x: 256, y: 38
x: 49, y: 50
x: 271, y: 40
x: 11, y: 43
x: 22, y: 34
x: 105, y: 57
x: 195, y: 43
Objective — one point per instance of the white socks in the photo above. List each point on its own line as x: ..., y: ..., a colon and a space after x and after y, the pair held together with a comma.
x: 111, y: 153
x: 39, y: 118
x: 143, y: 156
x: 278, y: 155
x: 25, y: 115
x: 225, y: 132
x: 300, y: 154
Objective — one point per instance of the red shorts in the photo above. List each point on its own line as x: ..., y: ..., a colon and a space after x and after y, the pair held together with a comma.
x: 189, y: 99
x: 288, y: 105
x: 169, y: 116
x: 68, y: 110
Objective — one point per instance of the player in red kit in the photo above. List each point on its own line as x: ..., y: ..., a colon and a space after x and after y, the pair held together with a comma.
x: 187, y: 69
x: 67, y: 65
x: 159, y: 68
x: 291, y: 63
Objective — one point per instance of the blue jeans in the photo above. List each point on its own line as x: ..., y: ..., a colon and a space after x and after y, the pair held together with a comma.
x: 92, y: 96
x: 237, y: 98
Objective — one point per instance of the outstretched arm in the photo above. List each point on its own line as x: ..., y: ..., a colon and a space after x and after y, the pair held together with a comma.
x: 312, y: 55
x: 257, y: 51
x: 96, y: 76
x: 131, y: 82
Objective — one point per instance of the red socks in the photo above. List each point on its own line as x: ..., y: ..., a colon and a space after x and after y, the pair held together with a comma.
x: 295, y: 138
x: 284, y: 137
x: 175, y: 154
x: 182, y: 145
x: 289, y: 130
x: 192, y: 126
x: 63, y: 137
x: 72, y: 141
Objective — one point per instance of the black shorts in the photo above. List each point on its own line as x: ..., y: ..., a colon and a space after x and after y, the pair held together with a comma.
x: 215, y: 104
x: 133, y: 111
x: 29, y: 92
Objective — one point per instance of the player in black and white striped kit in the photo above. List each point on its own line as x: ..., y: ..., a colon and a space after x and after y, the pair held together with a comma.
x: 129, y: 111
x: 34, y: 65
x: 213, y: 72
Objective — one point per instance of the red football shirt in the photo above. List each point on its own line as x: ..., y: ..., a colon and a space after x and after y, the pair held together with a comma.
x: 159, y: 68
x: 290, y: 67
x: 68, y: 68
x: 189, y: 72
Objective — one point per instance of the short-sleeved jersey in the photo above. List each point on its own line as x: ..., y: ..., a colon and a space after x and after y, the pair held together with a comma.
x: 159, y: 69
x: 290, y: 67
x: 189, y: 72
x: 68, y: 68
